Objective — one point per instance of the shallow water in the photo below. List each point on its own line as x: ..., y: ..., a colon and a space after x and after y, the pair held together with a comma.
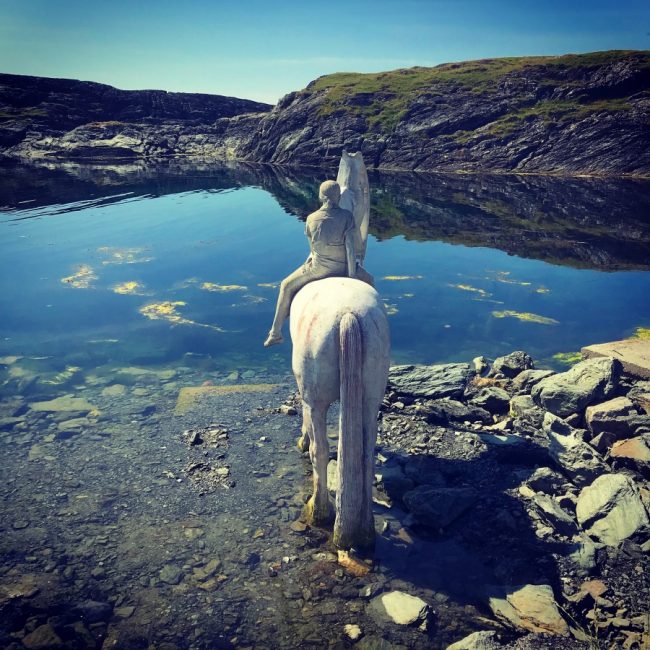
x: 122, y: 285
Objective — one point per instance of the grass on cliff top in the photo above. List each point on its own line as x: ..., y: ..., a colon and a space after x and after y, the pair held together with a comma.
x: 384, y: 97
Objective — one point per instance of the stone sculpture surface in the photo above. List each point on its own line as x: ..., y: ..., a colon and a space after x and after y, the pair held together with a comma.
x: 341, y: 351
x: 337, y: 238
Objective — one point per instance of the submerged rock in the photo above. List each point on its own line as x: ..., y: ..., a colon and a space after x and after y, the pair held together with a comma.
x: 65, y: 404
x: 434, y: 382
x: 570, y: 392
x: 43, y: 637
x: 399, y: 607
x: 610, y: 509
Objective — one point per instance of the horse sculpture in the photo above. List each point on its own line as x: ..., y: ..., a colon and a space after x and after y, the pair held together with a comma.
x: 341, y: 349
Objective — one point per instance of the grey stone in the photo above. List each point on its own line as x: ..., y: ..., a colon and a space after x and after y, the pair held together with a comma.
x: 434, y: 382
x: 512, y: 364
x: 44, y: 637
x: 438, y: 507
x: 398, y: 607
x: 524, y: 381
x: 441, y: 411
x: 493, y: 399
x: 582, y: 553
x: 610, y: 509
x: 171, y: 574
x: 544, y: 479
x: 93, y: 611
x: 575, y: 458
x: 547, y: 510
x: 589, y: 381
x: 523, y: 408
x: 484, y: 640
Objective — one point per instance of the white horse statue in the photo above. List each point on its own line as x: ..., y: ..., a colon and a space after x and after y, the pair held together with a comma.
x: 341, y: 348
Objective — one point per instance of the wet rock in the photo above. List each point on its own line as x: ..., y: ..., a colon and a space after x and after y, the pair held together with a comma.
x: 115, y: 390
x: 493, y: 399
x: 610, y: 509
x: 441, y: 411
x: 480, y: 365
x: 575, y: 458
x: 437, y: 507
x: 171, y: 574
x: 581, y: 552
x: 287, y: 409
x: 590, y: 381
x: 526, y: 411
x: 544, y: 479
x: 512, y: 364
x: 391, y: 479
x: 93, y: 611
x: 124, y: 612
x: 65, y: 404
x: 529, y: 607
x: 43, y: 637
x: 610, y: 416
x: 485, y: 640
x: 603, y: 441
x: 524, y: 381
x: 434, y: 382
x: 398, y: 607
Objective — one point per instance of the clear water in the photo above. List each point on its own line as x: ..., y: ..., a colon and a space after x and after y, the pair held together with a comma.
x: 124, y: 285
x: 462, y: 292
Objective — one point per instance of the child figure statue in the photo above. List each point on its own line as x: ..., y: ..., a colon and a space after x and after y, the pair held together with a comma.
x: 331, y: 231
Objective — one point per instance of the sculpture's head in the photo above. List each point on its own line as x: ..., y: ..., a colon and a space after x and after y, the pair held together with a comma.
x: 330, y: 191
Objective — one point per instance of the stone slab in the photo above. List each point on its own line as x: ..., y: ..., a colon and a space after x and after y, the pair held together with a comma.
x: 190, y: 396
x: 634, y: 355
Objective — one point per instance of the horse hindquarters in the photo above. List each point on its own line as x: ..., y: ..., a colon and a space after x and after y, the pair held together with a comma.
x: 354, y: 524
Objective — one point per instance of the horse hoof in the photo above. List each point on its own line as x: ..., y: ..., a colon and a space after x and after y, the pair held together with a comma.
x: 303, y: 444
x: 321, y: 516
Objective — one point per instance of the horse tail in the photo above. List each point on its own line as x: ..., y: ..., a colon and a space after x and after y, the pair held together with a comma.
x: 351, y: 471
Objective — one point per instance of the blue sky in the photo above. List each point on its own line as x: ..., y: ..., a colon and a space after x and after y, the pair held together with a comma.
x: 264, y: 49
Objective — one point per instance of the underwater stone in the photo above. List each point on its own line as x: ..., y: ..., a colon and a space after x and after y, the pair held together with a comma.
x: 67, y: 403
x: 189, y: 397
x: 399, y: 607
x: 171, y: 574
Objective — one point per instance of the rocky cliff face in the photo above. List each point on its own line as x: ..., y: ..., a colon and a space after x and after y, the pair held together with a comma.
x: 81, y: 119
x: 574, y: 114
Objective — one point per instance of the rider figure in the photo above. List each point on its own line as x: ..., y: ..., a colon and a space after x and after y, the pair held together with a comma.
x: 330, y: 231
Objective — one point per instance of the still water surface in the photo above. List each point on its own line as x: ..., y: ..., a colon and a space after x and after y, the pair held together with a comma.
x: 120, y: 286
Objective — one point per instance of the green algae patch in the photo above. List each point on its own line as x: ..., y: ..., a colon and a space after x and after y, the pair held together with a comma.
x: 124, y: 255
x: 190, y: 396
x: 642, y: 333
x: 471, y: 289
x: 130, y: 288
x: 568, y: 358
x: 168, y: 310
x: 525, y: 316
x: 82, y: 279
x: 222, y: 288
x: 65, y: 404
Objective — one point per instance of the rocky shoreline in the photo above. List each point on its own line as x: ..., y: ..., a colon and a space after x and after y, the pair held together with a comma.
x: 511, y: 506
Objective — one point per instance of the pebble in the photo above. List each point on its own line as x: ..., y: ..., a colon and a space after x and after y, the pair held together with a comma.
x: 353, y: 632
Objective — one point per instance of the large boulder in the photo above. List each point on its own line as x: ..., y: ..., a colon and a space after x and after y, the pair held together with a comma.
x: 492, y: 399
x: 529, y: 607
x: 574, y: 457
x: 612, y: 416
x: 610, y: 509
x: 570, y: 392
x: 437, y: 507
x: 512, y: 364
x: 434, y: 382
x: 524, y: 381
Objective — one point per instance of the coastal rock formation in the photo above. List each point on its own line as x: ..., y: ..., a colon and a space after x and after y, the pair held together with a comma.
x: 573, y: 114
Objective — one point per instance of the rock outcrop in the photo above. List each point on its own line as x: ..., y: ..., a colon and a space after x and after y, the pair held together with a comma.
x: 573, y: 114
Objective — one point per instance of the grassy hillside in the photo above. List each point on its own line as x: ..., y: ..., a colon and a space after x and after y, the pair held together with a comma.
x: 385, y: 98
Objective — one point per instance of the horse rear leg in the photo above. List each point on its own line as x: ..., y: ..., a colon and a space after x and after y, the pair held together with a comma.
x: 318, y: 510
x: 305, y: 439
